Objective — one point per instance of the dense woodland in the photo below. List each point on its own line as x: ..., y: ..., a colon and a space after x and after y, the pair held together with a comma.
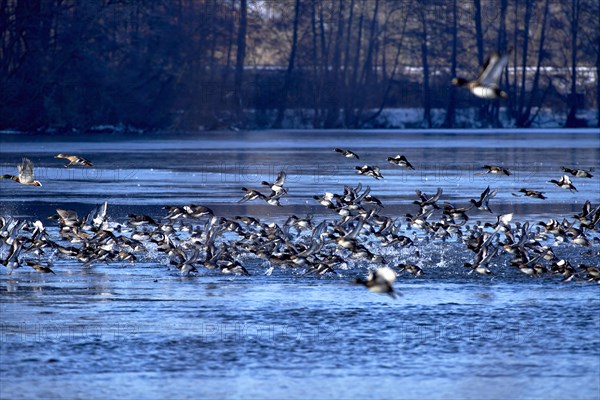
x: 214, y: 64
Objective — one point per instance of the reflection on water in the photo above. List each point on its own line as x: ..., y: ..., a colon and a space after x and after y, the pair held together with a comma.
x: 144, y: 331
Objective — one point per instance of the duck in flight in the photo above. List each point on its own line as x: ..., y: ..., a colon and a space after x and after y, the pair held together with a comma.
x: 486, y: 84
x: 277, y: 186
x: 75, y: 160
x: 495, y: 169
x: 579, y: 173
x: 368, y: 170
x: 530, y: 193
x: 379, y: 281
x: 401, y: 161
x: 25, y: 176
x: 347, y: 153
x: 484, y: 198
x: 564, y: 183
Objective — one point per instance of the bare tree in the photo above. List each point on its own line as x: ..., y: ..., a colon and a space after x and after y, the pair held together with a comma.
x: 451, y: 110
x: 425, y: 65
x: 527, y: 96
x: 239, y: 62
x: 290, y: 68
x: 572, y: 120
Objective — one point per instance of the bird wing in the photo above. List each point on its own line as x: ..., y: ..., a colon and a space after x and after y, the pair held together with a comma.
x: 484, y: 194
x: 67, y: 214
x: 26, y: 171
x: 280, y: 179
x: 493, y: 69
x: 386, y: 274
x: 436, y: 196
x: 505, y: 218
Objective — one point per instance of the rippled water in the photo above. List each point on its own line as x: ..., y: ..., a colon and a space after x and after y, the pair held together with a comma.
x: 144, y: 331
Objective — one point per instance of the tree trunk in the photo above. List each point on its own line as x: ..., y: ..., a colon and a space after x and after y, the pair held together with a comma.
x: 315, y: 62
x: 367, y: 71
x: 523, y: 89
x: 390, y: 80
x: 29, y: 27
x: 598, y: 76
x: 355, y: 65
x: 484, y: 108
x: 451, y: 111
x: 478, y: 31
x: 333, y: 109
x: 239, y: 63
x: 290, y: 69
x: 572, y: 117
x: 425, y: 64
x: 347, y: 88
x: 526, y: 120
x: 502, y: 46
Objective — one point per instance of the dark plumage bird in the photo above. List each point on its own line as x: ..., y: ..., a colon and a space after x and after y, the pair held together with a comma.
x: 194, y: 211
x: 495, y: 169
x: 426, y: 202
x: 367, y: 170
x: 401, y: 161
x: 411, y: 268
x: 564, y: 183
x: 379, y: 281
x: 579, y: 173
x: 484, y: 198
x: 347, y: 153
x: 40, y: 267
x: 483, y: 257
x: 589, y: 217
x: 66, y: 217
x: 12, y: 261
x: 277, y: 186
x: 486, y: 85
x: 25, y: 176
x: 251, y: 194
x: 75, y: 160
x: 531, y: 193
x: 138, y: 220
x: 458, y: 215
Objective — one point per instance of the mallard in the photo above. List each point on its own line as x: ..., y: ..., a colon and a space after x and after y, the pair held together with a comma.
x: 25, y: 176
x: 75, y: 160
x: 486, y: 84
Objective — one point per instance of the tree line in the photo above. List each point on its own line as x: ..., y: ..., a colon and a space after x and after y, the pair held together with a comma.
x: 213, y: 64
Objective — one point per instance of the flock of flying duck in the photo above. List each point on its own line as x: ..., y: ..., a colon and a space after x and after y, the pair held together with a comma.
x: 192, y: 236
